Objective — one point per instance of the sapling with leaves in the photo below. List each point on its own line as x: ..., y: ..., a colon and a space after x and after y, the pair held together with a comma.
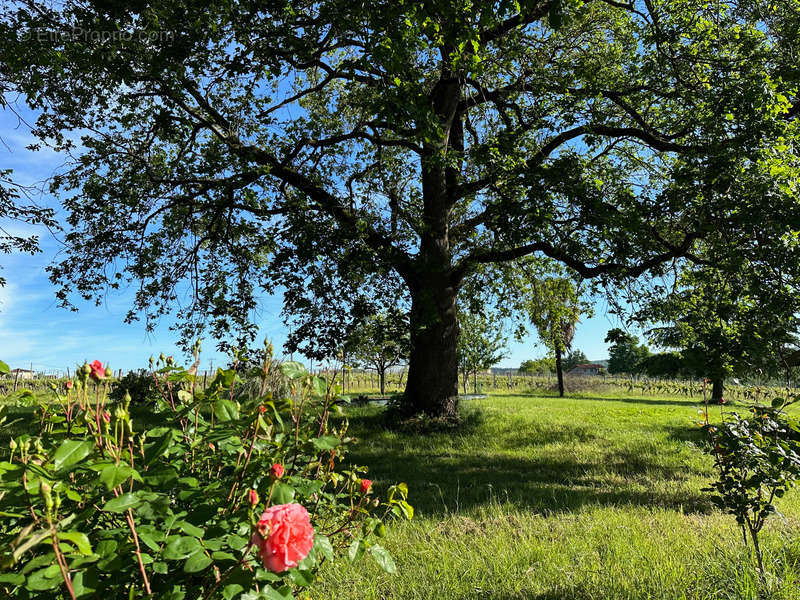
x: 481, y: 345
x: 380, y: 342
x: 551, y: 301
x: 757, y: 458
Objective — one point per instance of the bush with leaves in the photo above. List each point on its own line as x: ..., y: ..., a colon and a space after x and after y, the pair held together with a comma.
x: 757, y: 458
x: 218, y: 499
x: 139, y: 385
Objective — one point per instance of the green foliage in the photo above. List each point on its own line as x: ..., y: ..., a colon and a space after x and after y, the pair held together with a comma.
x: 550, y: 300
x: 665, y: 364
x: 139, y: 385
x: 734, y: 320
x: 417, y: 142
x: 625, y: 354
x: 12, y: 210
x: 379, y: 342
x: 758, y: 460
x: 538, y: 365
x: 481, y: 344
x: 97, y: 505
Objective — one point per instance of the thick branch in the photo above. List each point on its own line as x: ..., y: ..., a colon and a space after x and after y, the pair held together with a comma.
x: 576, y: 264
x: 516, y: 21
x: 325, y: 201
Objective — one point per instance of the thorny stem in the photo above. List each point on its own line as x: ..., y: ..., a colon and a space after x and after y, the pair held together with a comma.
x: 132, y: 527
x: 238, y: 482
x: 62, y: 564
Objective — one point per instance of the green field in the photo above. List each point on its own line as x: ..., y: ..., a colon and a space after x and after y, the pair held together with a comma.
x: 545, y: 498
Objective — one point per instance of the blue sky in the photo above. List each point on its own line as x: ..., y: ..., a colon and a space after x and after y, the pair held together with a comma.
x: 34, y: 330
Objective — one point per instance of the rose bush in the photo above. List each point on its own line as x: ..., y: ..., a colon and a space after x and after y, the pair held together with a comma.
x: 222, y: 495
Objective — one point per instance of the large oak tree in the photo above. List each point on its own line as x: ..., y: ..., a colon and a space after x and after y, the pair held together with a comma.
x: 237, y: 144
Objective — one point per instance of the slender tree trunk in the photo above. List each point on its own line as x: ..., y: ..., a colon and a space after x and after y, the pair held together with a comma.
x: 475, y: 382
x: 383, y: 381
x: 717, y: 390
x: 432, y: 382
x: 560, y: 373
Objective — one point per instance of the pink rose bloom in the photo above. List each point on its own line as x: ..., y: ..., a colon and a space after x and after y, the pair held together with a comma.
x: 98, y: 370
x: 69, y: 385
x: 365, y: 485
x: 286, y: 536
x: 276, y: 471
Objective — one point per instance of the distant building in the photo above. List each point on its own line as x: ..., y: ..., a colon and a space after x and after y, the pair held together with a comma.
x: 22, y: 374
x: 588, y: 369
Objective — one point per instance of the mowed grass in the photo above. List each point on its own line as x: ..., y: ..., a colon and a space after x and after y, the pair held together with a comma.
x: 543, y: 498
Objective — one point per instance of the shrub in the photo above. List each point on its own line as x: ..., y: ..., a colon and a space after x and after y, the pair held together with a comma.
x: 757, y: 458
x: 139, y: 385
x: 220, y: 499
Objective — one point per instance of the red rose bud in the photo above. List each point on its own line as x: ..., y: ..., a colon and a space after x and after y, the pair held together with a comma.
x: 366, y: 484
x: 276, y: 472
x: 69, y: 385
x: 98, y: 371
x: 253, y: 497
x: 107, y: 417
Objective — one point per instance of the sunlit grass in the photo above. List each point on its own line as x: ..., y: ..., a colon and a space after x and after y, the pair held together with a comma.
x: 547, y: 498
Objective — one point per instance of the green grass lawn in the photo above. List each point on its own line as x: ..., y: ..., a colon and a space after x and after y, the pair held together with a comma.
x: 546, y: 498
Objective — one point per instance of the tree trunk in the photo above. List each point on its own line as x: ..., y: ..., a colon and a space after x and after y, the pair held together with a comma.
x: 717, y: 389
x: 560, y: 373
x: 475, y: 382
x: 432, y: 382
x: 382, y: 373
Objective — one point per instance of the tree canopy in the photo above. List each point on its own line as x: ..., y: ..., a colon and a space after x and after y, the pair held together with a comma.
x: 234, y: 147
x: 625, y: 354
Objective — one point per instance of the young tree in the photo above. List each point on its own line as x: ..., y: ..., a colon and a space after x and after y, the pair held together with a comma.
x: 727, y: 323
x: 225, y: 142
x: 545, y: 296
x: 380, y: 342
x: 481, y: 345
x: 625, y: 354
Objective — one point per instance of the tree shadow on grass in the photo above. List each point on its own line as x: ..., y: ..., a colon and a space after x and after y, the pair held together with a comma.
x: 691, y: 434
x: 688, y: 402
x: 463, y: 476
